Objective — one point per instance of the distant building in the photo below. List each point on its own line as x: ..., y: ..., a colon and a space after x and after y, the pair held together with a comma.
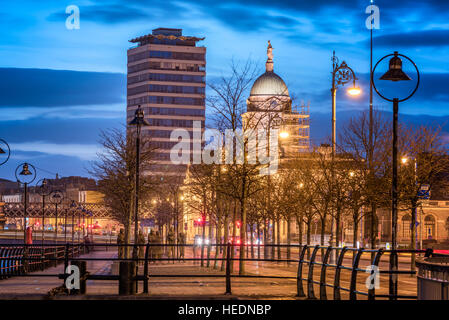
x: 12, y: 198
x: 7, y: 186
x: 166, y: 76
x: 74, y: 188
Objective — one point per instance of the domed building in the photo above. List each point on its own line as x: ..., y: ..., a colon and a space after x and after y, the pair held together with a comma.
x: 269, y: 106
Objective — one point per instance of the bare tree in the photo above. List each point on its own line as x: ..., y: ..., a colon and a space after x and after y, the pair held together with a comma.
x: 115, y: 170
x: 425, y: 159
x: 369, y: 162
x: 241, y: 178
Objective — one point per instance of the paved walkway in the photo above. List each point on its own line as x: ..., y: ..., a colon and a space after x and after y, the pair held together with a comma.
x: 22, y: 287
x: 201, y: 287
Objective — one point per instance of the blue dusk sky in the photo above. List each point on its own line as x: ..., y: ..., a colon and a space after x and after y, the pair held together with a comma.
x: 60, y: 87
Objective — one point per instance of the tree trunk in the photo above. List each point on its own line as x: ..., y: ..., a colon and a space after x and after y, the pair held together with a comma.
x: 273, y: 239
x: 217, y: 242
x: 309, y: 230
x: 234, y: 217
x: 323, y: 231
x: 413, y: 237
x: 338, y: 228
x: 372, y: 221
x: 252, y: 240
x: 258, y: 240
x: 265, y: 238
x: 225, y: 242
x: 355, y: 222
x: 209, y: 246
x: 243, y: 227
x: 299, y: 223
x: 289, y: 240
x: 203, y: 240
x: 278, y: 227
x: 128, y: 224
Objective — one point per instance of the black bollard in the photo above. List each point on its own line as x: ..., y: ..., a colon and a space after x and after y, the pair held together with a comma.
x: 127, y: 285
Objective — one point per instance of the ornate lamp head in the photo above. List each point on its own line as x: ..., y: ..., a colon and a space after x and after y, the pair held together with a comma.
x: 395, y: 72
x: 25, y: 170
x: 139, y: 118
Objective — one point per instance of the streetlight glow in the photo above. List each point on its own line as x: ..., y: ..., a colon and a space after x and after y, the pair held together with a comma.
x: 284, y: 134
x: 354, y: 91
x: 404, y: 160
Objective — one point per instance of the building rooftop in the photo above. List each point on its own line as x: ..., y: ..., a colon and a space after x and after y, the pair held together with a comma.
x: 171, y: 36
x: 167, y: 31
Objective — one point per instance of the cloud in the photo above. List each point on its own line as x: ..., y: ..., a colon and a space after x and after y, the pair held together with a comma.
x: 249, y: 19
x: 47, y: 165
x: 320, y: 123
x: 432, y: 96
x: 106, y: 13
x: 424, y: 38
x: 81, y: 151
x: 44, y: 87
x: 107, y: 111
x: 59, y: 131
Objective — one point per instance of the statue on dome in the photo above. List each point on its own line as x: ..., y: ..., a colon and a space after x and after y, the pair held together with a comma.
x: 270, y: 51
x: 269, y: 64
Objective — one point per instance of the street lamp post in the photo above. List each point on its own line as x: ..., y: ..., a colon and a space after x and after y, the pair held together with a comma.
x: 181, y: 199
x: 44, y: 190
x: 80, y: 210
x: 65, y: 224
x: 27, y: 177
x: 73, y: 210
x: 56, y: 198
x: 4, y: 150
x: 138, y: 121
x: 395, y: 74
x: 341, y: 75
x: 84, y: 222
x: 25, y: 172
x: 90, y: 214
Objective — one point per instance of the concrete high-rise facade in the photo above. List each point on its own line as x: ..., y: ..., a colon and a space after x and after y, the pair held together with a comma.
x: 167, y: 78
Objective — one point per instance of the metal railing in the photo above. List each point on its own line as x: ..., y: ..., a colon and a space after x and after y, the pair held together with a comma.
x: 13, y: 261
x: 354, y: 269
x: 20, y: 259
